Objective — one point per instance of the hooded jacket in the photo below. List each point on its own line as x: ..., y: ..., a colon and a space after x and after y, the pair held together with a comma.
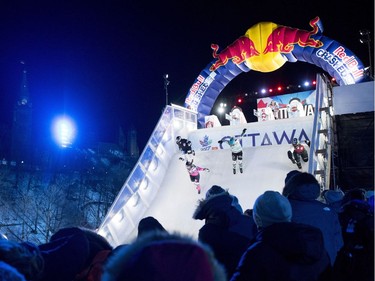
x: 302, y: 191
x: 285, y: 251
x: 226, y: 230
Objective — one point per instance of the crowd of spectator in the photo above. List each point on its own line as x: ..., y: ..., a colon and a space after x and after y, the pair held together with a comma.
x: 298, y: 234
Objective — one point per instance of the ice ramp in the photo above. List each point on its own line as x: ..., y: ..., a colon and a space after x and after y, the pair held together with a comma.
x: 265, y: 166
x: 171, y: 198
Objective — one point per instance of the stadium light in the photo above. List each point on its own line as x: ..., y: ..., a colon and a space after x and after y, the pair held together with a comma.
x: 367, y: 39
x: 64, y: 131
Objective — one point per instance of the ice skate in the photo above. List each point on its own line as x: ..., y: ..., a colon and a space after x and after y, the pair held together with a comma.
x: 299, y: 165
x: 199, y: 189
x: 234, y: 171
x: 241, y: 171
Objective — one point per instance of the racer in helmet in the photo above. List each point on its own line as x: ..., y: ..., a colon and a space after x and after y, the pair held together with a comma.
x: 297, y: 152
x: 184, y: 145
x: 194, y: 173
x: 236, y: 148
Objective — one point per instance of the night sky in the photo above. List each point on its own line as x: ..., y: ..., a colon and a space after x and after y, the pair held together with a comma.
x: 102, y: 62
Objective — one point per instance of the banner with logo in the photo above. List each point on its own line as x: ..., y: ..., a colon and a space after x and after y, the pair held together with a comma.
x: 293, y: 105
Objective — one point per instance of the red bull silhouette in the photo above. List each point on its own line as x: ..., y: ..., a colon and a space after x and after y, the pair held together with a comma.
x: 283, y: 38
x: 240, y: 50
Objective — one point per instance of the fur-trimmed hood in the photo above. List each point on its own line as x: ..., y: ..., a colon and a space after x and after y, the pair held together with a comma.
x: 224, y: 210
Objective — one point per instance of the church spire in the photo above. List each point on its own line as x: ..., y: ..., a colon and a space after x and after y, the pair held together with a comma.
x: 24, y: 97
x: 22, y: 144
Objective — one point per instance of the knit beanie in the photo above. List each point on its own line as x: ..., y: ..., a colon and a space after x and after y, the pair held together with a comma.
x: 303, y: 186
x: 163, y: 256
x: 332, y: 196
x: 271, y: 207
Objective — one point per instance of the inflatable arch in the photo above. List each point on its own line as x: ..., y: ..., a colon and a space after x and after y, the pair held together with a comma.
x: 265, y: 47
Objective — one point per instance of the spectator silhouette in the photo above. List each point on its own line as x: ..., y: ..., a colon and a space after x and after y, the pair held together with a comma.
x: 160, y: 256
x: 282, y: 250
x: 226, y: 230
x: 70, y: 253
x: 303, y: 190
x: 355, y: 261
x: 25, y: 257
x: 148, y: 224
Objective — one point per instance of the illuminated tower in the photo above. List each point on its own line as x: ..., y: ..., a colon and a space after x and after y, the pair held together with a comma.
x: 22, y: 141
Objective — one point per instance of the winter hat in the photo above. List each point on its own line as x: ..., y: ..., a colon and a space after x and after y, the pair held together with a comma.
x: 290, y: 175
x: 149, y: 224
x: 65, y: 255
x: 214, y: 190
x: 332, y: 196
x: 9, y: 273
x: 302, y: 186
x: 271, y: 207
x: 163, y: 256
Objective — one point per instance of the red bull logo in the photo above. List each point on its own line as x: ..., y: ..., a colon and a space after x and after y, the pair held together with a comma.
x: 240, y: 50
x: 272, y: 39
x: 283, y: 38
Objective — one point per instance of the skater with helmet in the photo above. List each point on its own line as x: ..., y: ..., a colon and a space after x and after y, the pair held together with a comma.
x: 194, y: 173
x: 297, y: 152
x: 184, y: 145
x: 236, y: 148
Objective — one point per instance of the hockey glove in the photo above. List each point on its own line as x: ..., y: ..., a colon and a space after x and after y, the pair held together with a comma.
x: 243, y: 131
x: 220, y: 141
